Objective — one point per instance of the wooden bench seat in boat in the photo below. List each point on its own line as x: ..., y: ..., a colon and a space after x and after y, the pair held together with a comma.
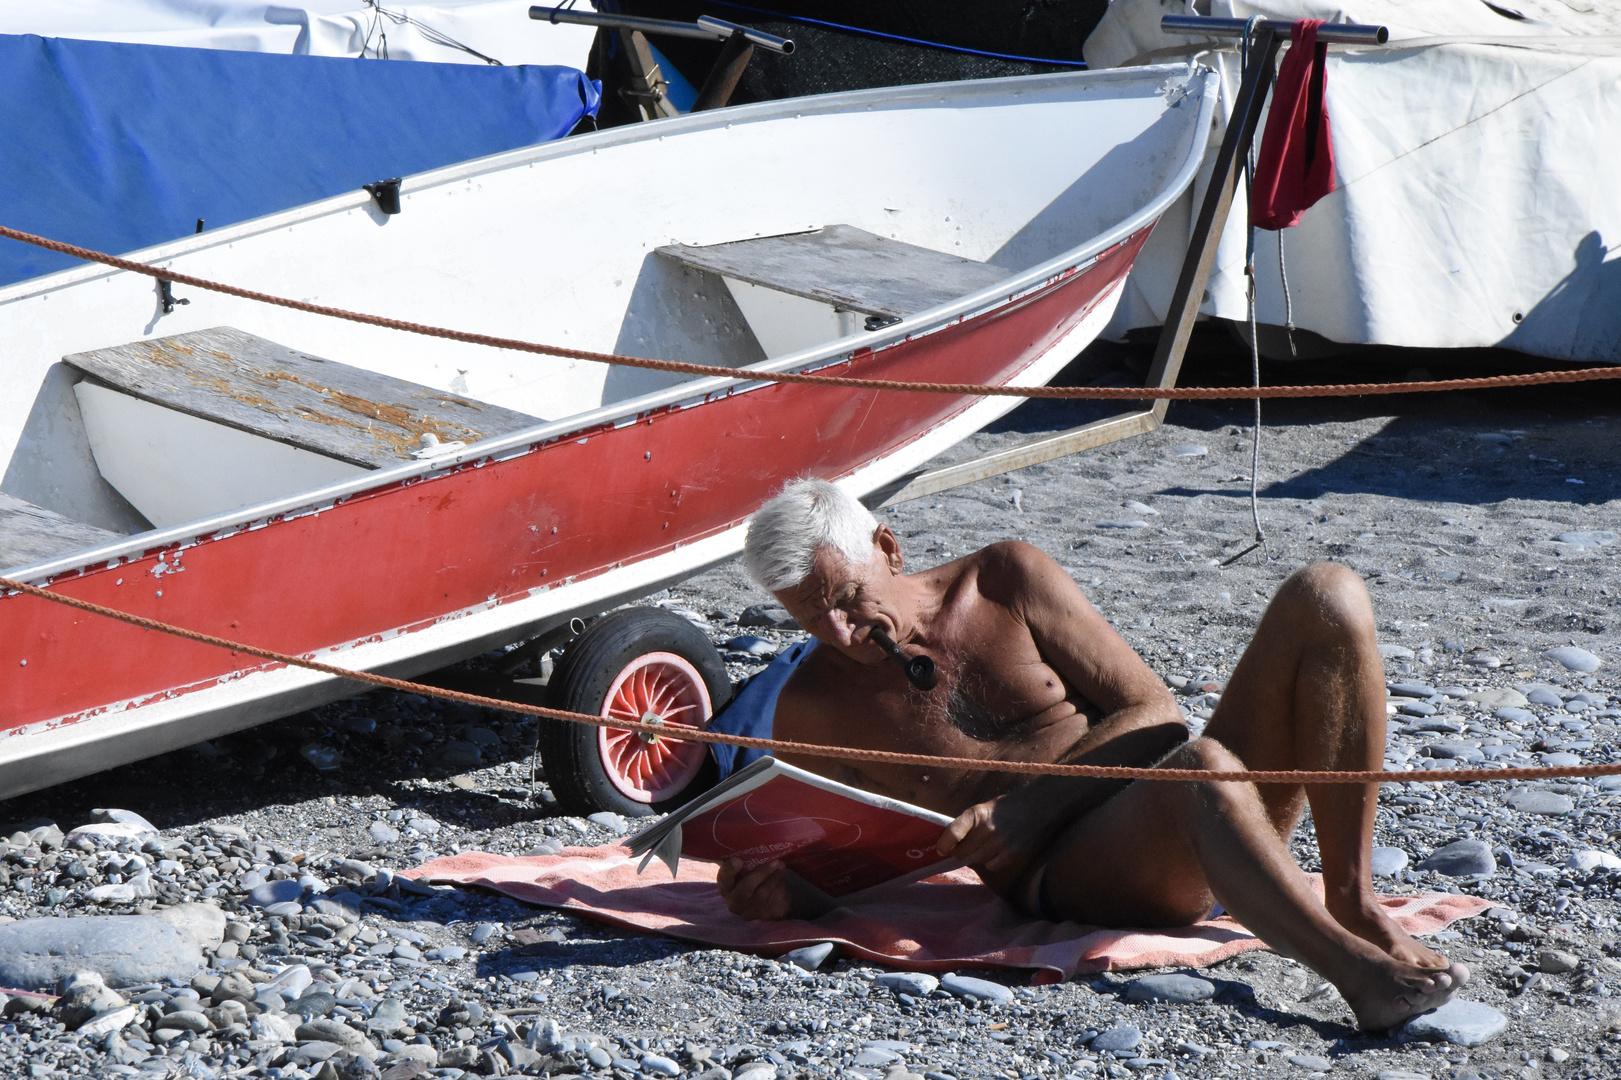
x: 846, y: 267
x: 809, y: 288
x: 198, y: 424
x: 32, y: 534
x: 245, y: 382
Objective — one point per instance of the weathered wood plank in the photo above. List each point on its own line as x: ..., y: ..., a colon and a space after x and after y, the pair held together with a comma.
x: 31, y: 534
x: 846, y: 267
x: 246, y: 382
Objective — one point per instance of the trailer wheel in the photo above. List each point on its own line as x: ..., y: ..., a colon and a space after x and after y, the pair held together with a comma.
x: 633, y: 664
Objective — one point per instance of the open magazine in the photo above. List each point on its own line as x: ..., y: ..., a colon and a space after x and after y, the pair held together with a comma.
x: 839, y: 843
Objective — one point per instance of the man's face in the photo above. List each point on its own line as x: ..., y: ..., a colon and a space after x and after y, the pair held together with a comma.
x: 840, y: 602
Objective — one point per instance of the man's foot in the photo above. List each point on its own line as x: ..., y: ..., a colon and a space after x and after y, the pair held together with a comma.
x: 1401, y: 992
x: 1370, y: 923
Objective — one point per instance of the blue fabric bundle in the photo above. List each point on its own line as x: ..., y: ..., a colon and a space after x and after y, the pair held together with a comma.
x: 117, y: 147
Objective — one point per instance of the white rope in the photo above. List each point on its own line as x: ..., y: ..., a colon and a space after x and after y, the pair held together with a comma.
x: 1288, y: 303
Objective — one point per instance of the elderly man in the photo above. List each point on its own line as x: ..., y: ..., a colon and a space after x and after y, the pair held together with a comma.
x: 1029, y: 671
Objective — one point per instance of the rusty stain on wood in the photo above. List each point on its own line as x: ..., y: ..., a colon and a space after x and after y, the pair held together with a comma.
x: 246, y: 382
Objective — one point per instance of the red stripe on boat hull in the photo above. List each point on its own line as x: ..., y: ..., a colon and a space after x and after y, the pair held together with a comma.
x: 400, y: 557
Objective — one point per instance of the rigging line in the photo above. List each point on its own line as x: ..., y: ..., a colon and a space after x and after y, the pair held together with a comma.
x: 808, y: 21
x: 806, y: 378
x: 1028, y: 768
x: 1288, y: 302
x: 438, y: 37
x: 1255, y: 339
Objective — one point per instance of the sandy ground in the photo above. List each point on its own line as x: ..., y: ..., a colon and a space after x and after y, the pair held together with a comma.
x: 1451, y: 508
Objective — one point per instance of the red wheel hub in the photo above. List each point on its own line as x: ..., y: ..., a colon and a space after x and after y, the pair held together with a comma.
x: 657, y: 687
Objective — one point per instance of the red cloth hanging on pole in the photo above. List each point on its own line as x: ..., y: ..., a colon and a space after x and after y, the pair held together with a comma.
x: 1296, y: 165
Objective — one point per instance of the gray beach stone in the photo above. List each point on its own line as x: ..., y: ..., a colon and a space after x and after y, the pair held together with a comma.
x: 1118, y: 1038
x: 1538, y: 801
x: 1557, y: 962
x: 1544, y: 695
x: 1512, y: 715
x: 772, y: 616
x: 916, y: 983
x: 1462, y: 1023
x: 205, y: 923
x: 1121, y: 523
x: 336, y: 1031
x: 1591, y: 859
x: 1311, y: 1062
x: 1173, y: 987
x: 966, y: 986
x: 383, y: 832
x: 275, y: 892
x: 109, y: 834
x: 1493, y: 697
x: 1388, y: 861
x: 751, y: 644
x: 103, y: 1024
x: 1561, y: 760
x: 1573, y: 659
x: 1587, y: 538
x: 1411, y: 690
x: 125, y: 949
x: 1189, y: 450
x: 875, y: 1057
x: 1461, y: 858
x: 810, y: 957
x: 185, y: 1020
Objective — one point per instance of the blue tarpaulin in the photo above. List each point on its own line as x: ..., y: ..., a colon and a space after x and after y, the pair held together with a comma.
x: 117, y: 147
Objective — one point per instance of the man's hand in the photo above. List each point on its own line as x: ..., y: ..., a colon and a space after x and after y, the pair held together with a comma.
x: 761, y: 893
x: 995, y: 839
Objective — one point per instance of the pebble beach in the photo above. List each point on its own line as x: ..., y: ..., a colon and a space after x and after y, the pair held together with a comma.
x: 238, y: 909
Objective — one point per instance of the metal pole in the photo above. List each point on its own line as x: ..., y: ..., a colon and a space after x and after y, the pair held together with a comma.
x: 706, y: 28
x: 724, y: 29
x: 726, y: 73
x: 1218, y: 200
x: 1332, y: 33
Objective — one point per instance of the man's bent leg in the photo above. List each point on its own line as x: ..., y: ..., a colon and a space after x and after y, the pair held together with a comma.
x: 1155, y: 855
x: 1309, y: 693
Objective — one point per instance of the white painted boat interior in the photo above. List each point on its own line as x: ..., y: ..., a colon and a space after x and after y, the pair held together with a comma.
x: 174, y: 467
x: 558, y: 243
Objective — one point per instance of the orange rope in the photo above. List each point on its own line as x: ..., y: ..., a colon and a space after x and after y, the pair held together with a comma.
x: 1031, y: 768
x: 1088, y: 393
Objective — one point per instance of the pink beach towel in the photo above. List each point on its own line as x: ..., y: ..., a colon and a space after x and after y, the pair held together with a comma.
x: 944, y: 923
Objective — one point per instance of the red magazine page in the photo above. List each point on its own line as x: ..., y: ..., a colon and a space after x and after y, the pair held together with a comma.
x: 836, y: 843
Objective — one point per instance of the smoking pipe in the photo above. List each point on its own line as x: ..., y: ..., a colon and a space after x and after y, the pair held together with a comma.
x: 919, y: 669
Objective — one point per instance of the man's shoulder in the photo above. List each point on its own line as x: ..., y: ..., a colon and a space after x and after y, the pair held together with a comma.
x: 1011, y: 567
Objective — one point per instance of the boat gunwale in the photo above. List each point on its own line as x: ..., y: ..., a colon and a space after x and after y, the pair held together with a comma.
x: 1011, y: 291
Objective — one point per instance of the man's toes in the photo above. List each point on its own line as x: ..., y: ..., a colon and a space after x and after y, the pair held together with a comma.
x: 1454, y: 977
x: 1442, y: 985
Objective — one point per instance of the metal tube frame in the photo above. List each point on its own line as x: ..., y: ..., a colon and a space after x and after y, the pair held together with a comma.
x: 1329, y: 33
x: 707, y: 28
x: 1188, y: 297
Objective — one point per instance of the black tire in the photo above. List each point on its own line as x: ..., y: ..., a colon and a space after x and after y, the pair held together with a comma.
x: 573, y: 753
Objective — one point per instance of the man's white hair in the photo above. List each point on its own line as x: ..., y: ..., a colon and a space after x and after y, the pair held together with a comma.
x: 786, y: 532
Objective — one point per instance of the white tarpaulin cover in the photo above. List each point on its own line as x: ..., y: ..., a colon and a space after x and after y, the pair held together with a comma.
x: 499, y: 29
x: 1479, y: 178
